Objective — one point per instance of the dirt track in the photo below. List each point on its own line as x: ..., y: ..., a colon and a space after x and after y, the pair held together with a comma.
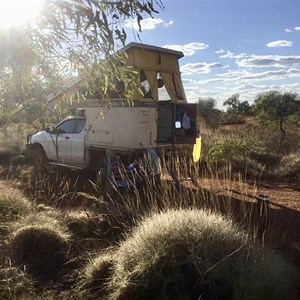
x: 286, y: 193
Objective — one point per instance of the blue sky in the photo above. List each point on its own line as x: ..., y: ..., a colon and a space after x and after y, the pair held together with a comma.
x: 230, y: 46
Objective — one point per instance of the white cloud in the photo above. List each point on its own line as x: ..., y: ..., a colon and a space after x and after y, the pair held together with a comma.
x: 280, y: 43
x: 188, y: 80
x: 235, y: 76
x: 292, y: 30
x: 272, y: 75
x: 248, y: 91
x: 209, y: 81
x: 247, y: 84
x: 267, y: 74
x: 259, y: 61
x: 295, y: 87
x: 188, y: 49
x: 231, y: 55
x: 201, y: 67
x: 146, y: 24
x: 220, y: 51
x: 169, y: 23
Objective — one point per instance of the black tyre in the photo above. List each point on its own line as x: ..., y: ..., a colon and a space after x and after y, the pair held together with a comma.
x: 40, y: 163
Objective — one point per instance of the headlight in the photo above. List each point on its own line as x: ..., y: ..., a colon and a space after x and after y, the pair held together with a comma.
x: 29, y: 136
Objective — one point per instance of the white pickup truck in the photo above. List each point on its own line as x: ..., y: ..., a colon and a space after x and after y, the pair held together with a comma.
x: 159, y: 118
x: 83, y: 141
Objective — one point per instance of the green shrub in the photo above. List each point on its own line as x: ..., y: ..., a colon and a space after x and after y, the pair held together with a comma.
x: 230, y: 148
x: 7, y: 152
x: 18, y: 159
x: 265, y: 158
x: 235, y: 156
x: 191, y: 254
x: 289, y: 166
x: 249, y: 168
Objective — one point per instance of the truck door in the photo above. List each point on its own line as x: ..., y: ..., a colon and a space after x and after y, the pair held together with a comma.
x: 78, y: 142
x: 68, y: 142
x: 185, y: 123
x: 165, y: 124
x: 177, y: 123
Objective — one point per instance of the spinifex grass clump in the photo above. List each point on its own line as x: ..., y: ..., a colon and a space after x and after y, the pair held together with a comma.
x: 190, y: 254
x: 12, y: 205
x: 40, y: 249
x: 97, y: 274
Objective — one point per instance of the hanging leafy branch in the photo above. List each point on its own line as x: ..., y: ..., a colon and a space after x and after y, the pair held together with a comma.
x: 93, y: 26
x: 87, y: 32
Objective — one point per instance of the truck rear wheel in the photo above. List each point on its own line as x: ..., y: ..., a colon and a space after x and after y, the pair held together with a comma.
x: 40, y: 163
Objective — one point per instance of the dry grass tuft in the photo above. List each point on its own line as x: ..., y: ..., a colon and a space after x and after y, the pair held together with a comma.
x: 13, y: 205
x: 14, y: 284
x: 89, y: 230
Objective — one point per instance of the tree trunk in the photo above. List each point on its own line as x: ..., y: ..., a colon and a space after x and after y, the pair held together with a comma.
x: 282, y: 130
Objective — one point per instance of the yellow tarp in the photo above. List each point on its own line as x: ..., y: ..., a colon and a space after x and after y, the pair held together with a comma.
x: 197, y: 150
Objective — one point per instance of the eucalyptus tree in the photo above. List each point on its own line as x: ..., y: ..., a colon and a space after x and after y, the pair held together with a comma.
x: 275, y: 107
x: 70, y: 38
x: 236, y: 109
x: 207, y: 110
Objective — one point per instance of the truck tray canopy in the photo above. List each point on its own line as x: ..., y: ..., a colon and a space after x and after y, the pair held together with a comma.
x: 142, y: 126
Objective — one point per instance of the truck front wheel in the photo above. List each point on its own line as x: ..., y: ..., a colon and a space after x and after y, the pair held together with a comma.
x: 40, y: 162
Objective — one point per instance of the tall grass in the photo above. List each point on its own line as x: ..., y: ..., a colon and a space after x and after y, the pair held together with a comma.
x: 98, y: 222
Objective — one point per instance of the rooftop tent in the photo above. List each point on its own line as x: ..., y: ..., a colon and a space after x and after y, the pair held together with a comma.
x: 160, y: 67
x: 158, y: 71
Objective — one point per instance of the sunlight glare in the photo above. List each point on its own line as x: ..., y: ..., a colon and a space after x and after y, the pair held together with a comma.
x: 18, y: 12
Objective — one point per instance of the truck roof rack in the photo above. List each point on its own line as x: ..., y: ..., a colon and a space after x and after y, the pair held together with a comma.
x: 179, y: 54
